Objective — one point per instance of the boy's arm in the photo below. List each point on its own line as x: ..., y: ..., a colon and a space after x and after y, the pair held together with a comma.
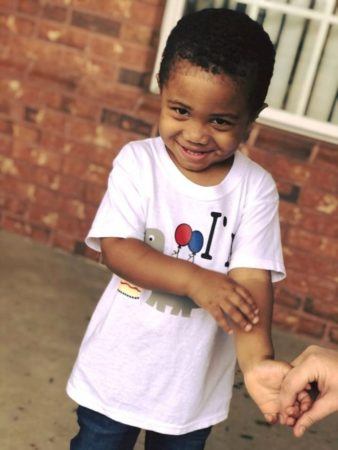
x: 138, y: 263
x: 257, y: 346
x: 262, y: 375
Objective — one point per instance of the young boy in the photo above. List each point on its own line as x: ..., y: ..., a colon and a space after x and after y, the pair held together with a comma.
x: 189, y: 227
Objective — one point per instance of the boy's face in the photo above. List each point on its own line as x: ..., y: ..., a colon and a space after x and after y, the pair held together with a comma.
x: 203, y: 119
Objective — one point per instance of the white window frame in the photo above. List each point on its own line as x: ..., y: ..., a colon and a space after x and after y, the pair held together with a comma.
x: 293, y: 122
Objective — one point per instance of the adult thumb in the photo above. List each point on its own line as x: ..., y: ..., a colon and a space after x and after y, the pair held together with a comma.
x: 321, y: 408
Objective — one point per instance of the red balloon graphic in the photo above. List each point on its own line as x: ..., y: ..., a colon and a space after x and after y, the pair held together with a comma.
x: 183, y: 234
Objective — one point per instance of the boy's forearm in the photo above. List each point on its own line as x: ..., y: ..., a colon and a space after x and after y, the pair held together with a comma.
x: 140, y: 264
x: 255, y: 346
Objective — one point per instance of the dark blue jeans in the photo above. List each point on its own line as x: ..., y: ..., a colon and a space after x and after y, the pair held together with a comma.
x: 98, y: 432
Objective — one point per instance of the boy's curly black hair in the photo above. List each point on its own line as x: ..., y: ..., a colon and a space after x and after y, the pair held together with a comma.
x: 223, y: 41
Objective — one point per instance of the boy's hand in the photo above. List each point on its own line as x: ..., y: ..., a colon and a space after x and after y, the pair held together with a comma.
x: 220, y: 296
x: 264, y: 381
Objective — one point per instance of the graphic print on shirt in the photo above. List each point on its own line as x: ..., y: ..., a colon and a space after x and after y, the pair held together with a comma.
x: 185, y: 236
x: 176, y: 305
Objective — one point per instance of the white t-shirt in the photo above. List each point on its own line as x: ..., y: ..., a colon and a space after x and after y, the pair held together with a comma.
x: 154, y: 360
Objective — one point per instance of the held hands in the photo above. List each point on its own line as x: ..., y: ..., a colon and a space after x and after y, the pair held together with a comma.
x: 221, y: 296
x: 264, y: 382
x: 315, y: 364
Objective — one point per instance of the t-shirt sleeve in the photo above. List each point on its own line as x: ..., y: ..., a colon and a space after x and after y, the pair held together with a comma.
x: 257, y: 241
x: 121, y: 212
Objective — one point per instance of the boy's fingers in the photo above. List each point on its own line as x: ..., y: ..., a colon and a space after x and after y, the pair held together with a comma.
x: 243, y: 306
x: 221, y: 320
x: 236, y: 316
x: 246, y: 295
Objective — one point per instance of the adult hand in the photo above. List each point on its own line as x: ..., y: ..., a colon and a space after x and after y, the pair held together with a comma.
x: 315, y: 364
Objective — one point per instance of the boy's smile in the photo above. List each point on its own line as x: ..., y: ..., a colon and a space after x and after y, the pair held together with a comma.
x: 203, y: 119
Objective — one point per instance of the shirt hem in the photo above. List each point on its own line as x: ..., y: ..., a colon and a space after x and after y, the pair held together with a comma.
x: 139, y: 422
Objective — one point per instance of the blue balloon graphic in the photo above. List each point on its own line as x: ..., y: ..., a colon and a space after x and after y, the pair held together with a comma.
x: 196, y: 241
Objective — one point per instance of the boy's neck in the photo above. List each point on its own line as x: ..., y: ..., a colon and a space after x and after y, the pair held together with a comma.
x: 212, y: 176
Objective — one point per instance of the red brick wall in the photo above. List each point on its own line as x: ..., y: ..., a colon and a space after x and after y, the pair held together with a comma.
x: 73, y: 89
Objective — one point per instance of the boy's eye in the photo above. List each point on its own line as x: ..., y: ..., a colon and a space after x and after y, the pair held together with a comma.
x: 180, y: 111
x: 219, y: 121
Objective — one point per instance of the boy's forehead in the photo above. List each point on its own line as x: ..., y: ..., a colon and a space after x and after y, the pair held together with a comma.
x: 203, y: 91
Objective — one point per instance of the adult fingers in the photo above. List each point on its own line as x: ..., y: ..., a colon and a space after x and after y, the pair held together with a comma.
x: 320, y: 409
x: 295, y: 382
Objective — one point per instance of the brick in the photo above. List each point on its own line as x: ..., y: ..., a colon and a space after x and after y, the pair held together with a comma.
x: 96, y: 174
x: 73, y: 208
x: 25, y: 133
x: 291, y: 145
x: 64, y: 241
x: 144, y: 35
x: 326, y: 158
x: 5, y: 145
x: 53, y: 12
x: 97, y: 88
x: 15, y: 206
x: 290, y: 213
x: 132, y: 77
x: 137, y: 57
x: 69, y: 225
x: 94, y: 193
x: 285, y: 317
x: 70, y: 36
x: 114, y: 8
x: 46, y: 118
x: 333, y: 335
x: 148, y: 107
x: 51, y: 99
x: 18, y: 25
x: 90, y: 133
x: 288, y: 192
x: 319, y: 200
x: 322, y: 309
x: 72, y: 186
x: 81, y: 108
x: 18, y: 188
x: 6, y: 126
x: 16, y: 225
x: 46, y: 197
x: 311, y: 327
x: 45, y: 177
x: 313, y: 243
x: 29, y: 6
x: 105, y: 47
x: 125, y: 122
x: 53, y: 142
x: 322, y: 287
x: 320, y: 223
x: 300, y: 261
x: 75, y: 167
x: 44, y: 215
x: 7, y: 4
x: 95, y: 23
x: 287, y: 298
x: 36, y: 155
x: 323, y: 179
x: 146, y: 14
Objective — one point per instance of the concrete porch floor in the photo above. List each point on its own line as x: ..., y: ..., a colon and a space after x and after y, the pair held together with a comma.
x: 46, y: 298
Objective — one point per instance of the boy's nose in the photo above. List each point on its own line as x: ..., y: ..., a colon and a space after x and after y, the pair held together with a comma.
x: 196, y: 134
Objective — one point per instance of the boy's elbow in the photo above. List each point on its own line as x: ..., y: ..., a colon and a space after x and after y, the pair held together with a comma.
x: 109, y: 250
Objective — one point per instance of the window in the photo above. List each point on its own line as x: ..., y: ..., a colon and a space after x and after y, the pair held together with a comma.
x: 303, y: 93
